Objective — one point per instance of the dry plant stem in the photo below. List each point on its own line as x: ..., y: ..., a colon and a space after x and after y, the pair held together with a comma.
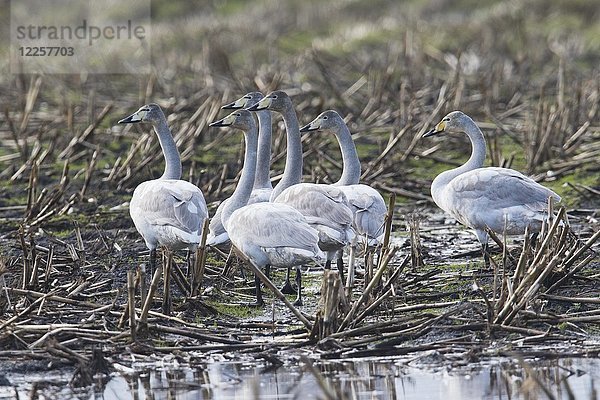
x: 149, y: 299
x: 369, y: 310
x: 572, y: 272
x: 280, y: 296
x: 200, y: 261
x: 52, y: 297
x: 180, y: 280
x: 327, y: 391
x: 69, y: 150
x: 26, y: 259
x: 522, y: 264
x: 541, y: 266
x: 413, y: 224
x: 389, y: 217
x: 88, y: 173
x: 166, y: 305
x: 536, y: 379
x: 32, y: 187
x: 391, y: 145
x: 24, y: 312
x: 351, y: 271
x: 332, y: 299
x: 131, y: 303
x: 588, y: 244
x: 191, y: 333
x: 348, y: 321
x: 141, y: 278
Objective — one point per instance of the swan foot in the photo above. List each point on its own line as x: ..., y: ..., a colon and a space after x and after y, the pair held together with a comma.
x: 287, y: 288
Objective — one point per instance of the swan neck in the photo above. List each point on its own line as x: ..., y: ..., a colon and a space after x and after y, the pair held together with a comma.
x: 478, y: 146
x: 476, y: 160
x: 169, y: 149
x: 263, y: 162
x: 292, y: 173
x: 242, y: 192
x: 351, y: 164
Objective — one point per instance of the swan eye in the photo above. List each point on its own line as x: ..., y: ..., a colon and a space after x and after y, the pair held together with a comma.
x: 325, y: 117
x: 446, y: 119
x: 274, y: 96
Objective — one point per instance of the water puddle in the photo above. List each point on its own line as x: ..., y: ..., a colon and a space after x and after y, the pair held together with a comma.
x: 358, y: 379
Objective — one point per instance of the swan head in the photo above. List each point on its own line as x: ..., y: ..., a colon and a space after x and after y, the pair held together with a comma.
x: 329, y: 119
x: 240, y: 119
x: 456, y: 121
x: 247, y: 100
x: 148, y: 113
x: 274, y: 101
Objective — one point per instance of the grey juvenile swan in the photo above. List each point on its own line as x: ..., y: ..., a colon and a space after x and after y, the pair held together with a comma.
x: 166, y: 211
x: 265, y: 234
x: 261, y: 191
x: 367, y: 205
x: 501, y: 199
x: 324, y: 206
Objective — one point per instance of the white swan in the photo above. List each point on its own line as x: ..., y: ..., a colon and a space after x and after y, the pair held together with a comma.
x: 501, y: 199
x: 166, y: 211
x: 325, y: 207
x: 367, y: 205
x: 262, y: 188
x: 265, y: 234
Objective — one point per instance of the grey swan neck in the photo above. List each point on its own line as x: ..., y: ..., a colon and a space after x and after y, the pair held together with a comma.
x: 292, y: 173
x: 169, y: 149
x: 477, y: 159
x: 351, y: 164
x: 263, y: 162
x: 242, y: 192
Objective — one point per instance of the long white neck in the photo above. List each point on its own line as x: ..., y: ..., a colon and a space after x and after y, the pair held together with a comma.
x: 169, y: 149
x: 263, y: 162
x: 351, y: 163
x: 292, y: 173
x: 242, y: 192
x: 477, y: 159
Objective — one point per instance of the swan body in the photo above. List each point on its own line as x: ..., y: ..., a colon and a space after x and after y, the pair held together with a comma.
x: 325, y: 207
x: 265, y: 234
x: 262, y: 187
x: 367, y: 205
x: 501, y: 199
x: 166, y: 211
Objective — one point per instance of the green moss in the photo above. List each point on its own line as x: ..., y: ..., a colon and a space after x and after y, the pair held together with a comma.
x: 564, y: 186
x: 297, y: 41
x: 231, y: 7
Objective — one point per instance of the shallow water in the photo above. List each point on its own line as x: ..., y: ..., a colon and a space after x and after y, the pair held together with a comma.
x: 358, y: 379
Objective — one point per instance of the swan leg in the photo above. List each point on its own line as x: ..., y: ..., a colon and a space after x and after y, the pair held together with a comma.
x: 298, y: 301
x: 534, y: 239
x: 152, y: 262
x: 483, y: 239
x: 486, y: 254
x: 340, y: 265
x: 287, y: 287
x: 328, y: 264
x: 268, y: 270
x: 259, y: 299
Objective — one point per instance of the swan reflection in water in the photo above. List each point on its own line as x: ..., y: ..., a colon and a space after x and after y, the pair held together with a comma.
x: 361, y: 379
